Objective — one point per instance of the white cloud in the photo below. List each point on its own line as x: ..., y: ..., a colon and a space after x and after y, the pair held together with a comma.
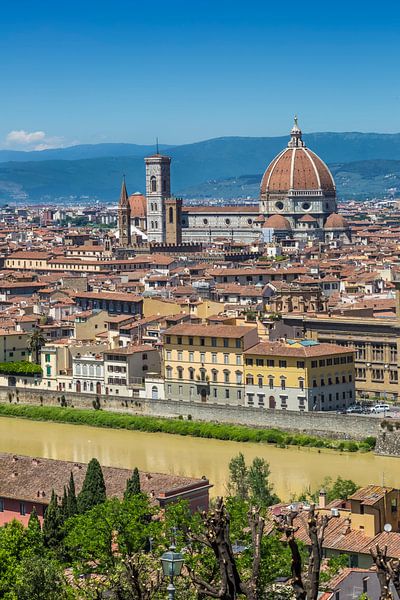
x: 33, y: 140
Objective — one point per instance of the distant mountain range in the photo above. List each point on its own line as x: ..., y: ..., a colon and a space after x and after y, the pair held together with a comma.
x: 363, y: 164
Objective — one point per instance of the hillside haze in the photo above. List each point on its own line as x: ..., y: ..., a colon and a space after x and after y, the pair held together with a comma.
x: 363, y: 164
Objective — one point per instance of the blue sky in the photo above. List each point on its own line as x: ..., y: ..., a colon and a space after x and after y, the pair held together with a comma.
x: 128, y: 71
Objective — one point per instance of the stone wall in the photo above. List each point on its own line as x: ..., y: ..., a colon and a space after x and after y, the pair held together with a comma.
x: 388, y: 439
x: 324, y: 424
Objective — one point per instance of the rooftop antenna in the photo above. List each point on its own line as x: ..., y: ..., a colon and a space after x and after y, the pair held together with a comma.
x: 157, y: 144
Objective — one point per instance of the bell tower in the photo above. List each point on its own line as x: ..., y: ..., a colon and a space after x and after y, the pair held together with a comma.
x: 158, y: 189
x: 124, y: 217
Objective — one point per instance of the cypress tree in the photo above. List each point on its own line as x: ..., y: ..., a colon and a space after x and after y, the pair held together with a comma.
x: 72, y: 506
x: 64, y: 505
x: 52, y: 523
x: 133, y: 484
x: 34, y: 532
x: 93, y: 491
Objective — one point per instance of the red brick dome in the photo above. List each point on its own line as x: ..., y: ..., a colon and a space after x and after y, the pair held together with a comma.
x: 297, y: 168
x: 277, y: 222
x: 335, y: 221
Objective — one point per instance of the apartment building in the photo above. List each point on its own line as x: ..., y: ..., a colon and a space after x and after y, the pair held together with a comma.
x: 299, y: 375
x: 126, y: 368
x: 204, y: 363
x: 375, y: 340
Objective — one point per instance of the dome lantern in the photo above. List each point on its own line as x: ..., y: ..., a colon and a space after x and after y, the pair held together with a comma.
x: 296, y: 136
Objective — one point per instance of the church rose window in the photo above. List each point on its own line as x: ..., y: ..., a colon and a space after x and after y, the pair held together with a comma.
x: 306, y: 205
x: 205, y: 221
x: 227, y: 221
x: 279, y: 205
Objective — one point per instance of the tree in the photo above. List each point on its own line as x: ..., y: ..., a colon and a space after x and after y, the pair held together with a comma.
x: 64, y: 505
x: 111, y: 542
x: 231, y: 584
x: 72, y: 504
x: 133, y: 484
x: 35, y: 344
x: 339, y: 489
x: 238, y: 477
x: 93, y: 491
x: 316, y: 525
x: 13, y: 547
x: 52, y: 523
x: 251, y: 483
x: 40, y: 578
x: 33, y: 533
x: 261, y: 490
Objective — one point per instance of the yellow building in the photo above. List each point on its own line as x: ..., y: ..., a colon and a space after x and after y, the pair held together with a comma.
x: 205, y: 362
x: 299, y: 375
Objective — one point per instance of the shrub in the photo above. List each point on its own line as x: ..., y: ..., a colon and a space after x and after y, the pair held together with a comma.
x: 20, y: 368
x: 179, y: 426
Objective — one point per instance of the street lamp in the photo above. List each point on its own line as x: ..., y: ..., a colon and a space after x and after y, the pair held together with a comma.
x: 172, y: 563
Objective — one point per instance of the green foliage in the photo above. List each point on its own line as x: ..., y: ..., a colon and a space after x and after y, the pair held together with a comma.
x: 20, y: 368
x: 52, y: 523
x: 34, y: 536
x: 334, y: 566
x: 238, y: 433
x: 339, y: 489
x: 238, y: 485
x: 13, y: 548
x: 261, y: 490
x: 72, y: 503
x: 112, y: 541
x: 251, y: 483
x: 40, y: 578
x: 93, y: 490
x: 133, y: 484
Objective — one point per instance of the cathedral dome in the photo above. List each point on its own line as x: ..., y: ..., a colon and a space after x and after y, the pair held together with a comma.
x: 277, y: 222
x: 297, y: 168
x: 335, y: 221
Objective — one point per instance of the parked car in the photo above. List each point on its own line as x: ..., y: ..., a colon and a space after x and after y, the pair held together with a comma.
x: 354, y: 408
x: 380, y: 408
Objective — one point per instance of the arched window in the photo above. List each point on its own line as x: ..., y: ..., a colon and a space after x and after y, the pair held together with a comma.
x: 153, y: 184
x: 154, y: 392
x: 171, y: 214
x: 180, y: 373
x: 260, y: 381
x: 156, y: 224
x: 169, y: 372
x: 136, y: 222
x: 164, y: 185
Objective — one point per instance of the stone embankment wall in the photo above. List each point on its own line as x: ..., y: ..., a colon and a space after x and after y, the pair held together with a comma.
x: 388, y: 439
x: 330, y: 425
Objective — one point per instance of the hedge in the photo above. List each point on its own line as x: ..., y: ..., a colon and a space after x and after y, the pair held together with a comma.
x: 20, y: 368
x: 219, y: 431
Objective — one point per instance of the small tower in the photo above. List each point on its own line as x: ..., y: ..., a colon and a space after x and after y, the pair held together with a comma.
x: 158, y: 189
x: 173, y: 221
x: 124, y: 217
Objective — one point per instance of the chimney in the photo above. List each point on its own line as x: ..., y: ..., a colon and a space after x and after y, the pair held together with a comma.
x: 322, y: 499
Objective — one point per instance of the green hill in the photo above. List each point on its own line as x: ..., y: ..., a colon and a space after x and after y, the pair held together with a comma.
x: 363, y: 165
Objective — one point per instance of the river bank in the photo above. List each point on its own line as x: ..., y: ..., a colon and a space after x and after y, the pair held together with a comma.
x: 217, y: 431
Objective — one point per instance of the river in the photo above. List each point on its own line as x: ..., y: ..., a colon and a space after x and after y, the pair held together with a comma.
x: 293, y: 469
